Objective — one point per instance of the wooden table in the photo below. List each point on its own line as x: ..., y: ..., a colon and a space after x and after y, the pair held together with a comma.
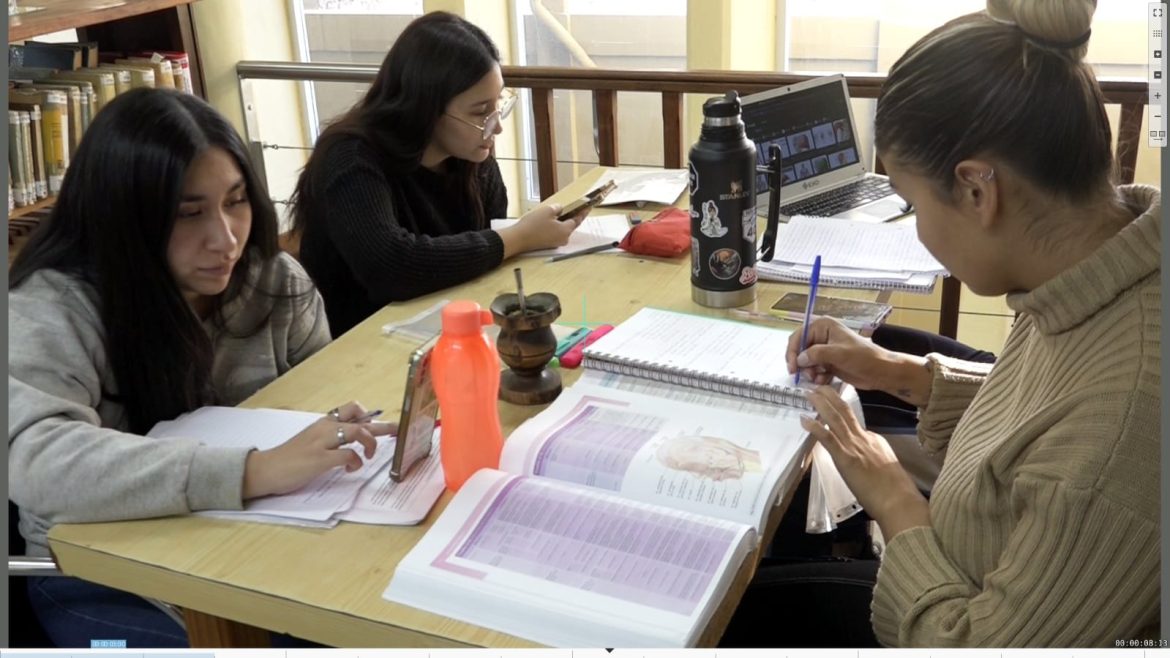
x: 326, y: 585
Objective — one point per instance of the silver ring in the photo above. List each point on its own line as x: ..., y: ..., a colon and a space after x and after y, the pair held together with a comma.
x: 335, y: 413
x: 341, y: 436
x: 827, y: 428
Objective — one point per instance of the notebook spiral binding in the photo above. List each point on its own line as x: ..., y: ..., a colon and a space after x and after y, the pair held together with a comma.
x: 857, y: 284
x: 736, y: 386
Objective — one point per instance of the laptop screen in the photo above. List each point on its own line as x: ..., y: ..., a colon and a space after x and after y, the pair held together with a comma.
x: 811, y: 126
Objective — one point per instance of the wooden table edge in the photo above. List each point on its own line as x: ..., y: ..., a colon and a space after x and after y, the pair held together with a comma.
x: 268, y: 613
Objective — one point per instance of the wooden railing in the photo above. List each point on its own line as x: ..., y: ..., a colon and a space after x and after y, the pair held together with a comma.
x: 1130, y: 94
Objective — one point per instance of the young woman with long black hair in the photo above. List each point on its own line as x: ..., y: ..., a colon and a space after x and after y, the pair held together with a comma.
x: 154, y: 287
x: 397, y: 198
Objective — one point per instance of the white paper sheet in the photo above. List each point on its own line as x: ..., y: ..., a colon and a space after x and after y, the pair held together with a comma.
x: 596, y: 230
x: 661, y: 186
x: 383, y: 501
x: 330, y: 493
x: 314, y: 504
x: 842, y: 243
x: 236, y: 427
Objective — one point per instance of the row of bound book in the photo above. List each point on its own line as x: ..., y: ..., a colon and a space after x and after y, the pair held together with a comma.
x: 55, y: 90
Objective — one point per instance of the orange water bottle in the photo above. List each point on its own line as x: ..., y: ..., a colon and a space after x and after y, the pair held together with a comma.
x: 466, y: 373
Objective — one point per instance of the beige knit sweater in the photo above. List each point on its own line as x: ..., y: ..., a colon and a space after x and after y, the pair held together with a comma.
x: 1045, y: 517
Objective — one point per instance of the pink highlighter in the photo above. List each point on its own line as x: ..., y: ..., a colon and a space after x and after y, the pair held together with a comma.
x: 572, y: 358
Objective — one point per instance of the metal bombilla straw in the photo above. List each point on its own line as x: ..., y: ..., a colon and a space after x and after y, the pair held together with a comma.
x: 520, y: 291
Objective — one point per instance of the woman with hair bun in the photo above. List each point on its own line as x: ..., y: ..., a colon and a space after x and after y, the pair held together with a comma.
x: 1043, y: 526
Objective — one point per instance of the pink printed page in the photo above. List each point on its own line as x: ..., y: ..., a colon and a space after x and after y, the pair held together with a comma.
x: 598, y: 544
x: 596, y: 445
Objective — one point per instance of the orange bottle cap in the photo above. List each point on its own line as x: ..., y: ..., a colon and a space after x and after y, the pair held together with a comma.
x: 463, y: 318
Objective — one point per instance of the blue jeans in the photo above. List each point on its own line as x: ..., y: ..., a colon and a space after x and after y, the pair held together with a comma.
x: 74, y: 612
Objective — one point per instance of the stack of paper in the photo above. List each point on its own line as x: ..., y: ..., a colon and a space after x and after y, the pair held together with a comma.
x: 853, y: 255
x: 366, y: 495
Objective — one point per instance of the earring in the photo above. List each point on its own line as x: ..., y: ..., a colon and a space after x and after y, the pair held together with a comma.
x: 988, y: 175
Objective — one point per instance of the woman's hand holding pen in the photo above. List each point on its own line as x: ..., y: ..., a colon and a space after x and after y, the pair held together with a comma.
x: 836, y: 350
x: 315, y: 450
x: 539, y: 229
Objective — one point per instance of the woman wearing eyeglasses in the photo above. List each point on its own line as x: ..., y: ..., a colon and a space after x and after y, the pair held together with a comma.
x: 397, y: 198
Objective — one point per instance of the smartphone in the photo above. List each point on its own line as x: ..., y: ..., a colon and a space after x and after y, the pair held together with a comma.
x: 856, y: 314
x: 420, y: 408
x: 590, y: 200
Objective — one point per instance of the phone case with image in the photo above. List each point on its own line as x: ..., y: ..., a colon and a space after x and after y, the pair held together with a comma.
x: 420, y: 408
x: 590, y: 201
x: 856, y: 314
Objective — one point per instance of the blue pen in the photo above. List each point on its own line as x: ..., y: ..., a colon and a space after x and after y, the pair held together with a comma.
x: 808, y: 309
x: 565, y: 344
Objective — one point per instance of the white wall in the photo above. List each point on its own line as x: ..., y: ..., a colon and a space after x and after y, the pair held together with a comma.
x: 229, y: 31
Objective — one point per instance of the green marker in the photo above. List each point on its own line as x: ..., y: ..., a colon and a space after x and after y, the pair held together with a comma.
x: 565, y: 344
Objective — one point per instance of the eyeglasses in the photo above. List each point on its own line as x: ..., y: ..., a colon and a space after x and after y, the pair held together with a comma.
x: 503, y: 109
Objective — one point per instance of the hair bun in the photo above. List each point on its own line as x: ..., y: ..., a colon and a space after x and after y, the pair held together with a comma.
x: 1054, y: 24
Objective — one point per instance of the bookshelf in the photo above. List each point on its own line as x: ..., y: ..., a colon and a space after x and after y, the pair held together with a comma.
x: 117, y: 25
x: 45, y: 16
x: 30, y: 209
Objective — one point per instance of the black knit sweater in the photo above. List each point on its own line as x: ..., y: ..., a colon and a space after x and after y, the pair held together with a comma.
x: 372, y: 237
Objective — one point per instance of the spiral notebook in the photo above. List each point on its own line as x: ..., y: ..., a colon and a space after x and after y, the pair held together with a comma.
x: 858, y: 280
x: 709, y: 354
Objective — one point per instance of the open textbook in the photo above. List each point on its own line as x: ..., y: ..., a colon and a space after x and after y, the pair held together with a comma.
x: 669, y: 452
x: 619, y: 515
x: 367, y: 495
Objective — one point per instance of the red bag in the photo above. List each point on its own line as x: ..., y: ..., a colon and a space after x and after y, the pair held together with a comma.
x: 667, y: 235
